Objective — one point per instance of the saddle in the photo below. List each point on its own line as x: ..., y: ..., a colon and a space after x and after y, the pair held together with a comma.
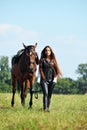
x: 16, y: 57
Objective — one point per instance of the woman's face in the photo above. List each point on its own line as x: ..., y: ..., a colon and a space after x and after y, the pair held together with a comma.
x: 47, y: 51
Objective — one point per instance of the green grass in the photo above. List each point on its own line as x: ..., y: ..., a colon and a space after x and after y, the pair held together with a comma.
x: 67, y: 112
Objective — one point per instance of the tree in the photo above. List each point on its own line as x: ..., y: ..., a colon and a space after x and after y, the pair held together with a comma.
x: 65, y: 86
x: 82, y: 70
x: 4, y: 69
x: 82, y: 80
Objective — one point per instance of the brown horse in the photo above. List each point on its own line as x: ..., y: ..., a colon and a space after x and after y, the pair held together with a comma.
x: 24, y: 66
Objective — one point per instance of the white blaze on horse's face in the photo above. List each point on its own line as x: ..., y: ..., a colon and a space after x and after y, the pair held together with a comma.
x: 31, y: 67
x: 30, y: 53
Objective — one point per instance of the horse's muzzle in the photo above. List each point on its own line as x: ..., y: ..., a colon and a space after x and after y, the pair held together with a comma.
x: 30, y: 70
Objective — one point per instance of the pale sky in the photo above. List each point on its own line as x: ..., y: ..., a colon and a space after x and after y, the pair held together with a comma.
x: 62, y: 24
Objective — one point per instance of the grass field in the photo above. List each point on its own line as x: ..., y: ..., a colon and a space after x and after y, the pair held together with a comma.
x: 67, y: 112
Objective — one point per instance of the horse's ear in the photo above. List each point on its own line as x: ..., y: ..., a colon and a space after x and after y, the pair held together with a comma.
x: 35, y: 45
x: 24, y: 45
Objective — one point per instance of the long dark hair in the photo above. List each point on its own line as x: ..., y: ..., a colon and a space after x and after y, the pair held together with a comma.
x: 43, y: 55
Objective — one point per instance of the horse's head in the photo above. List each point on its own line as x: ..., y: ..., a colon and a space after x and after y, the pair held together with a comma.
x: 30, y: 57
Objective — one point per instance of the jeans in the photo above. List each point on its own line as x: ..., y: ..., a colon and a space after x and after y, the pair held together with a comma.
x: 47, y: 88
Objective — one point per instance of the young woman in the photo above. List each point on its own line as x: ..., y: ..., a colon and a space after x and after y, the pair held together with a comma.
x: 49, y: 70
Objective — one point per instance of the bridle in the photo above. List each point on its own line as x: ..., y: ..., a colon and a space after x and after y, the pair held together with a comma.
x: 30, y: 53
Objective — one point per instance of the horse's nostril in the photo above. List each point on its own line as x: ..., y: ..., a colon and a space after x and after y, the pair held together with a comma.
x: 31, y: 70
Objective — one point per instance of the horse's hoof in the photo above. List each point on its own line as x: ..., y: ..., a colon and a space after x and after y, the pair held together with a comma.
x: 30, y: 108
x: 23, y: 104
x: 36, y: 96
x: 12, y: 104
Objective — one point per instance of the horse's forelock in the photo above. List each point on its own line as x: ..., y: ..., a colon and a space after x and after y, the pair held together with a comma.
x: 30, y: 47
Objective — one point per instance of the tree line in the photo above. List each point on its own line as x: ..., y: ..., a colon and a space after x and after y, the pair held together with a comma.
x: 63, y: 85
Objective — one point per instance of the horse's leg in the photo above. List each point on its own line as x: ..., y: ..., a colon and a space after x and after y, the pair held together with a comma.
x: 31, y: 95
x: 22, y: 95
x: 13, y: 91
x: 27, y: 86
x: 24, y: 90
